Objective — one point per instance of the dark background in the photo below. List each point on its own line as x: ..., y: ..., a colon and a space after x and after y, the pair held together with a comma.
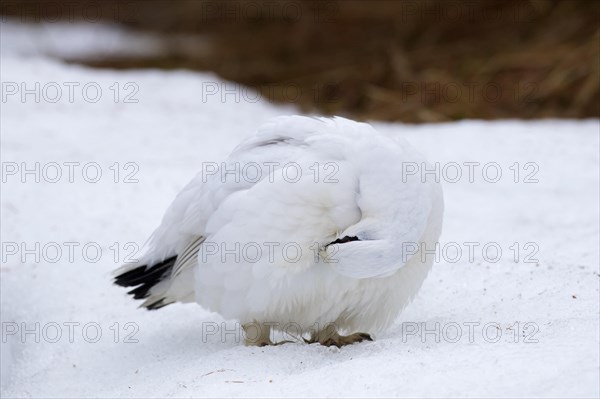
x: 412, y: 61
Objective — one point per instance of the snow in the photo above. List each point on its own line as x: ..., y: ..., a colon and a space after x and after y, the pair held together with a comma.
x: 76, y: 39
x: 546, y: 309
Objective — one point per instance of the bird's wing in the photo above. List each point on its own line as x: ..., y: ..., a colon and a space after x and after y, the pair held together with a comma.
x: 188, y: 257
x: 227, y: 209
x: 416, y: 215
x: 409, y: 224
x: 185, y: 221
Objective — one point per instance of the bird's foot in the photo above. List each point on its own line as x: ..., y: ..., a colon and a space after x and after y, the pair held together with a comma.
x: 248, y: 342
x: 255, y: 335
x: 283, y: 342
x: 334, y: 339
x: 265, y: 343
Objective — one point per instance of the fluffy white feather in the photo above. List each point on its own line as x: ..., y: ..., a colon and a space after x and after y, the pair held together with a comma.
x: 292, y: 190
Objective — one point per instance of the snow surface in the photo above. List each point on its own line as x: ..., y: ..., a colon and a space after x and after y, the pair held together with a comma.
x: 550, y: 306
x: 76, y: 40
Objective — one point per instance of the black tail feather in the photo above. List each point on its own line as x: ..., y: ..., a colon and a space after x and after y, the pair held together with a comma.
x: 144, y: 278
x: 158, y: 304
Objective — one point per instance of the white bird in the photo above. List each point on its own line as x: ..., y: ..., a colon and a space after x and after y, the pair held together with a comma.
x: 314, y: 222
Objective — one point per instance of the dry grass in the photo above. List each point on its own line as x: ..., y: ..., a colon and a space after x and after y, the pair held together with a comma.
x: 413, y: 61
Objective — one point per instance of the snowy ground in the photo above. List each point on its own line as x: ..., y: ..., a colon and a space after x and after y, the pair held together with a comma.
x: 528, y: 326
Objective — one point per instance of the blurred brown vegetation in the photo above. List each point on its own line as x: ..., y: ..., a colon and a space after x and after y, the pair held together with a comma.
x: 412, y: 61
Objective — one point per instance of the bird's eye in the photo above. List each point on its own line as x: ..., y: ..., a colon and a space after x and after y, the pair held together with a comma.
x: 344, y: 240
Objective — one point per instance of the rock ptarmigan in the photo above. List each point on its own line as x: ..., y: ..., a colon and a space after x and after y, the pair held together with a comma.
x: 314, y: 222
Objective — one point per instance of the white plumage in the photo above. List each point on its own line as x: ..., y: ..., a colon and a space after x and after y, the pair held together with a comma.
x: 312, y: 221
